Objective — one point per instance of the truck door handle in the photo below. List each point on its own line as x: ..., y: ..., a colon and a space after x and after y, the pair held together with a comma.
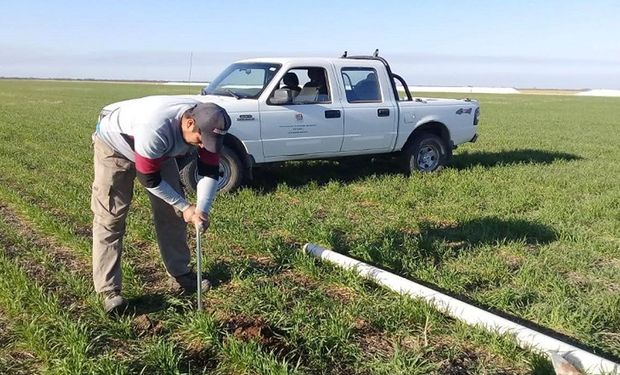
x: 332, y: 113
x: 383, y: 112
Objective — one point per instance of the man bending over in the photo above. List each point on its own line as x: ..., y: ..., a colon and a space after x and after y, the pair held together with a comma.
x: 140, y: 138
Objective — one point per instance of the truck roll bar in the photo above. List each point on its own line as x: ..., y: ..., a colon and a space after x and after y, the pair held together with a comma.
x: 392, y: 76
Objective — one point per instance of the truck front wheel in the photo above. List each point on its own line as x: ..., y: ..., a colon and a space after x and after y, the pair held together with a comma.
x: 231, y: 172
x: 427, y: 153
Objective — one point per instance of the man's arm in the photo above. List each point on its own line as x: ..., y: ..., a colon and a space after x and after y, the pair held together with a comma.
x: 149, y: 175
x: 208, y: 164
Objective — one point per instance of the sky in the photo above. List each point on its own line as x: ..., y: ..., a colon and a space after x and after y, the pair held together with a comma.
x: 560, y: 44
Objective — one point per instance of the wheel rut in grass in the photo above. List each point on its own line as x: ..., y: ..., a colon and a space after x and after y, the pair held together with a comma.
x: 140, y: 257
x: 14, y: 360
x: 63, y: 255
x: 5, y: 337
x: 58, y: 258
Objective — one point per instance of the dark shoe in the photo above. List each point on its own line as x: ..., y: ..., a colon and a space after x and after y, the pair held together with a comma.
x: 113, y: 302
x: 186, y: 284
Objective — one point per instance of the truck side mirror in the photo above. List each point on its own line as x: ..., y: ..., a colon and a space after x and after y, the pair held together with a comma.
x: 281, y: 96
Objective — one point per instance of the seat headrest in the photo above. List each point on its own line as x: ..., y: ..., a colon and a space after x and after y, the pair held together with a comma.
x: 290, y: 79
x: 316, y: 74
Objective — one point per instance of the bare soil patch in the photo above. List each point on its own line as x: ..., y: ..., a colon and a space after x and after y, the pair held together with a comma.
x: 272, y: 339
x: 375, y: 342
x: 144, y: 325
x: 254, y: 329
x: 470, y: 360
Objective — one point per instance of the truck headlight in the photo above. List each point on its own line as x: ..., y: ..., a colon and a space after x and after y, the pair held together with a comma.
x: 477, y: 116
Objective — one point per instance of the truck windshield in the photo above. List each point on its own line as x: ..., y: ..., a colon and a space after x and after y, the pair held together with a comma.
x: 243, y: 80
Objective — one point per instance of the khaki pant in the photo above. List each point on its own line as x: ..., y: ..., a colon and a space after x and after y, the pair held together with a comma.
x: 112, y: 192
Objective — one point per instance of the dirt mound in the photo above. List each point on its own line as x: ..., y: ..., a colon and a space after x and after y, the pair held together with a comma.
x: 252, y: 329
x: 143, y: 325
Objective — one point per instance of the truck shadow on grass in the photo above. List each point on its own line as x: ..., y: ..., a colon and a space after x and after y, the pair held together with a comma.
x: 467, y: 160
x: 436, y: 243
x: 322, y: 172
x: 349, y: 170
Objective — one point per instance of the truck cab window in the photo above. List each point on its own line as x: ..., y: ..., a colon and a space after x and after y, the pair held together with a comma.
x: 307, y: 85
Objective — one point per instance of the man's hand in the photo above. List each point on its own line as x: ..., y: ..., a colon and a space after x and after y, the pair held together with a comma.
x: 201, y: 220
x: 188, y: 214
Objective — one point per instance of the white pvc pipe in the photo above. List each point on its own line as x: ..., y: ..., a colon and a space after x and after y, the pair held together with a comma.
x: 526, y: 337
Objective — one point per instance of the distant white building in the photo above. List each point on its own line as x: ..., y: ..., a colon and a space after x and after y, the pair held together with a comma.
x: 599, y: 92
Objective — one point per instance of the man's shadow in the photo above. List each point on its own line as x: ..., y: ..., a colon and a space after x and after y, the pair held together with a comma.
x: 146, y: 304
x: 218, y: 273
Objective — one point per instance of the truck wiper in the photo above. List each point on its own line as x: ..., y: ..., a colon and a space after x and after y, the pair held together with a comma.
x: 232, y: 93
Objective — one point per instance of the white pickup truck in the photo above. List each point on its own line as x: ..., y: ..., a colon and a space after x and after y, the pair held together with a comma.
x: 315, y: 108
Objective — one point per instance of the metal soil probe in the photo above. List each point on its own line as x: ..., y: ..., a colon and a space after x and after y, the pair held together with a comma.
x: 198, y: 266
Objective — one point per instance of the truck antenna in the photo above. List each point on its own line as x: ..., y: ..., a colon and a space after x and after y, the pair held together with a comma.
x: 376, y: 54
x: 189, y: 77
x: 344, y: 54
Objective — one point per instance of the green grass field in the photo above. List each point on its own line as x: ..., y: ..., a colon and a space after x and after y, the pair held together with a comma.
x: 526, y: 221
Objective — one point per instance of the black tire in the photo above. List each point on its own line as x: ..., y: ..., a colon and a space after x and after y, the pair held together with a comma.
x: 427, y: 153
x: 231, y: 172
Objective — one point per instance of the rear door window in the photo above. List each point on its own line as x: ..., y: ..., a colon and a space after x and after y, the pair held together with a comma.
x: 361, y: 85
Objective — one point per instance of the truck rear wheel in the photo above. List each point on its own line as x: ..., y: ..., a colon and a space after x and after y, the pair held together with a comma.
x: 231, y: 172
x: 427, y: 153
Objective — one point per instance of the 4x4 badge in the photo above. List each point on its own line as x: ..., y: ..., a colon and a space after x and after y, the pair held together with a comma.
x: 245, y: 118
x: 299, y: 116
